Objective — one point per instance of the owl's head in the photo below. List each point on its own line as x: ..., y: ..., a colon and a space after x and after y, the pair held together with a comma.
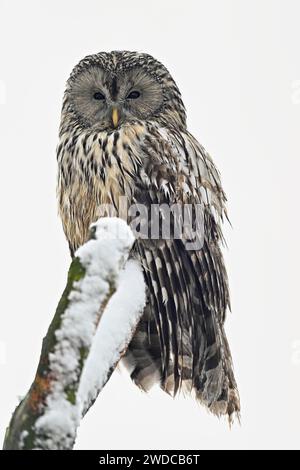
x: 106, y: 90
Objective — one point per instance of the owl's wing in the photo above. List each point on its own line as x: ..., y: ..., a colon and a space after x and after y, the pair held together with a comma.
x: 188, y: 289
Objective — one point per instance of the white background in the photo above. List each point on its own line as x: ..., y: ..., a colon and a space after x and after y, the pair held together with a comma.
x: 237, y: 64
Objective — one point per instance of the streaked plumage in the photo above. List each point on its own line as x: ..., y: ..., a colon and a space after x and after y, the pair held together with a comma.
x: 150, y: 158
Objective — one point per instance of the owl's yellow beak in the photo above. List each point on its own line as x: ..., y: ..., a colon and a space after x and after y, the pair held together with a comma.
x: 115, y: 117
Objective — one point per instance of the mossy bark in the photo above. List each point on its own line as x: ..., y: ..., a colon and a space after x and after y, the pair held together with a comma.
x: 20, y: 433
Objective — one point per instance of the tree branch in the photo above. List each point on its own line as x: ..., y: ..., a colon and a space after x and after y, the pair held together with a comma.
x: 74, y: 366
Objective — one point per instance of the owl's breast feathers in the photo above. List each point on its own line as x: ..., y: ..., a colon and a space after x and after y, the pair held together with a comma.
x: 94, y: 170
x: 97, y: 168
x: 181, y: 338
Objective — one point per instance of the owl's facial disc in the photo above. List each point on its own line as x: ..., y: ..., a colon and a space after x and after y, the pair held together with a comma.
x: 106, y: 100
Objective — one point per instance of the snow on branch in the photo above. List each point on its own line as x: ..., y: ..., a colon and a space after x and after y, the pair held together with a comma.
x: 94, y: 322
x: 113, y: 334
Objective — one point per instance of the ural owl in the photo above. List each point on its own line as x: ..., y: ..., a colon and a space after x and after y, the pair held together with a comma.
x: 123, y: 135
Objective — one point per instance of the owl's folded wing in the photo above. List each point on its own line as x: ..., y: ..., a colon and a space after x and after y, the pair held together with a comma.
x: 188, y: 288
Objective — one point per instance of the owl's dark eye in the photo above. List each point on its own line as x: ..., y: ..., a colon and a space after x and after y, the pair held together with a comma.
x: 133, y: 95
x: 98, y: 96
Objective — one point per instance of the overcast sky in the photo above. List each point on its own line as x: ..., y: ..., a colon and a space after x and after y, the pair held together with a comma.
x: 237, y: 64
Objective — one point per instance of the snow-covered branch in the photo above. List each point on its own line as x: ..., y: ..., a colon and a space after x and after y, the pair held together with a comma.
x: 93, y: 324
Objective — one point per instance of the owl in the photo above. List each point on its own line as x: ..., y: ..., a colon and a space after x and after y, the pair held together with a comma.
x: 123, y: 137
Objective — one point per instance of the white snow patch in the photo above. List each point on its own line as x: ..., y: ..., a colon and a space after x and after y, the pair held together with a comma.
x: 114, y: 332
x: 102, y: 258
x: 23, y: 436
